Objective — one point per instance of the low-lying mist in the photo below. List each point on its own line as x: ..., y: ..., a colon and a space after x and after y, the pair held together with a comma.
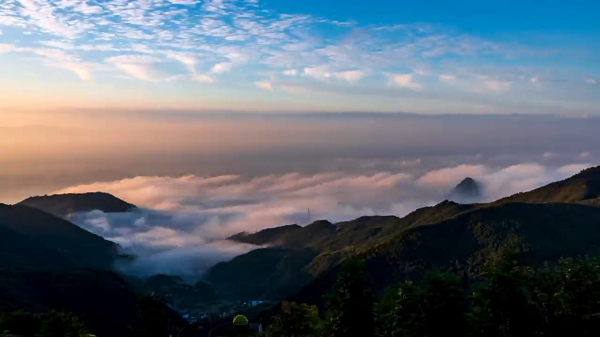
x: 183, y: 223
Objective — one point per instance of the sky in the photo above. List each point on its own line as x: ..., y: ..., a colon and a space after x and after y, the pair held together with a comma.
x: 428, y: 57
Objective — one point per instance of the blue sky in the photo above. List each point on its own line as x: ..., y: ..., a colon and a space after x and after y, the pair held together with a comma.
x: 436, y: 57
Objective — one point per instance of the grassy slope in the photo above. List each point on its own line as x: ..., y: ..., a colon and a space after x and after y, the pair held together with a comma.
x: 582, y: 186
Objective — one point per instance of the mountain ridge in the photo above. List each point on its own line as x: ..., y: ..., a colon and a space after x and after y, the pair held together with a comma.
x: 468, y: 234
x: 583, y: 186
x: 63, y: 205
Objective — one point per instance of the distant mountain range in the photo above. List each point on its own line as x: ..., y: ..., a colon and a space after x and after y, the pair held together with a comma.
x: 545, y: 224
x: 42, y: 254
x: 62, y: 205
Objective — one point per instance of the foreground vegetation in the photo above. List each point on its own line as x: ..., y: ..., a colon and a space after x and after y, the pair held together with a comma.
x: 151, y: 319
x: 49, y: 324
x: 510, y: 299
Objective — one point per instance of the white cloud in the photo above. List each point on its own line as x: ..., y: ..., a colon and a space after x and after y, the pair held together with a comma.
x: 319, y: 73
x: 591, y: 81
x: 141, y: 48
x: 421, y: 71
x: 83, y: 71
x: 43, y: 15
x: 136, y: 66
x: 222, y: 67
x: 290, y: 72
x: 5, y: 48
x: 203, y: 78
x: 404, y: 81
x: 585, y: 155
x: 549, y: 155
x: 264, y: 85
x: 187, y: 59
x: 570, y: 170
x: 352, y: 76
x: 498, y: 86
x: 184, y: 2
x: 448, y: 78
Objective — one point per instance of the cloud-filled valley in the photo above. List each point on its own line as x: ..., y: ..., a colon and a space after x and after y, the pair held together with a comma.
x: 183, y: 221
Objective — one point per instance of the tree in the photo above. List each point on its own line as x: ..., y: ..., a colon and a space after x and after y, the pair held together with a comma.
x: 568, y: 297
x: 350, y: 305
x: 433, y: 308
x: 399, y: 314
x: 152, y: 319
x: 504, y: 303
x: 20, y: 322
x: 295, y: 320
x: 59, y: 324
x: 49, y: 324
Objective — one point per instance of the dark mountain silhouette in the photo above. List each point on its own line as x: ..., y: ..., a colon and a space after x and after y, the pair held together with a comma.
x: 582, y: 187
x: 49, y: 264
x: 106, y: 300
x: 466, y: 190
x: 18, y: 250
x: 64, y: 204
x: 446, y: 236
x: 266, y: 236
x: 39, y: 232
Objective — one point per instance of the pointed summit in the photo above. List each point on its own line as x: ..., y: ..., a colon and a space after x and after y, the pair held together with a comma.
x: 467, y: 190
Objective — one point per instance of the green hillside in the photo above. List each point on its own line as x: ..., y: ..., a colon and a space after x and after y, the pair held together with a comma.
x: 582, y: 186
x: 270, y: 273
x: 463, y: 243
x: 314, y: 249
x: 447, y: 236
x: 62, y: 205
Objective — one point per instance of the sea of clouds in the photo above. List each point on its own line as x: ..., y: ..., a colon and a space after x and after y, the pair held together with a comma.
x: 183, y: 222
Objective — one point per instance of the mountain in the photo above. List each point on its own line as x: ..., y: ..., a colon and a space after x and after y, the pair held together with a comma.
x: 466, y: 190
x: 41, y: 239
x: 448, y: 236
x: 463, y: 243
x: 49, y: 264
x: 271, y: 273
x: 582, y: 187
x: 299, y: 254
x: 62, y: 205
x: 18, y: 250
x: 266, y: 236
